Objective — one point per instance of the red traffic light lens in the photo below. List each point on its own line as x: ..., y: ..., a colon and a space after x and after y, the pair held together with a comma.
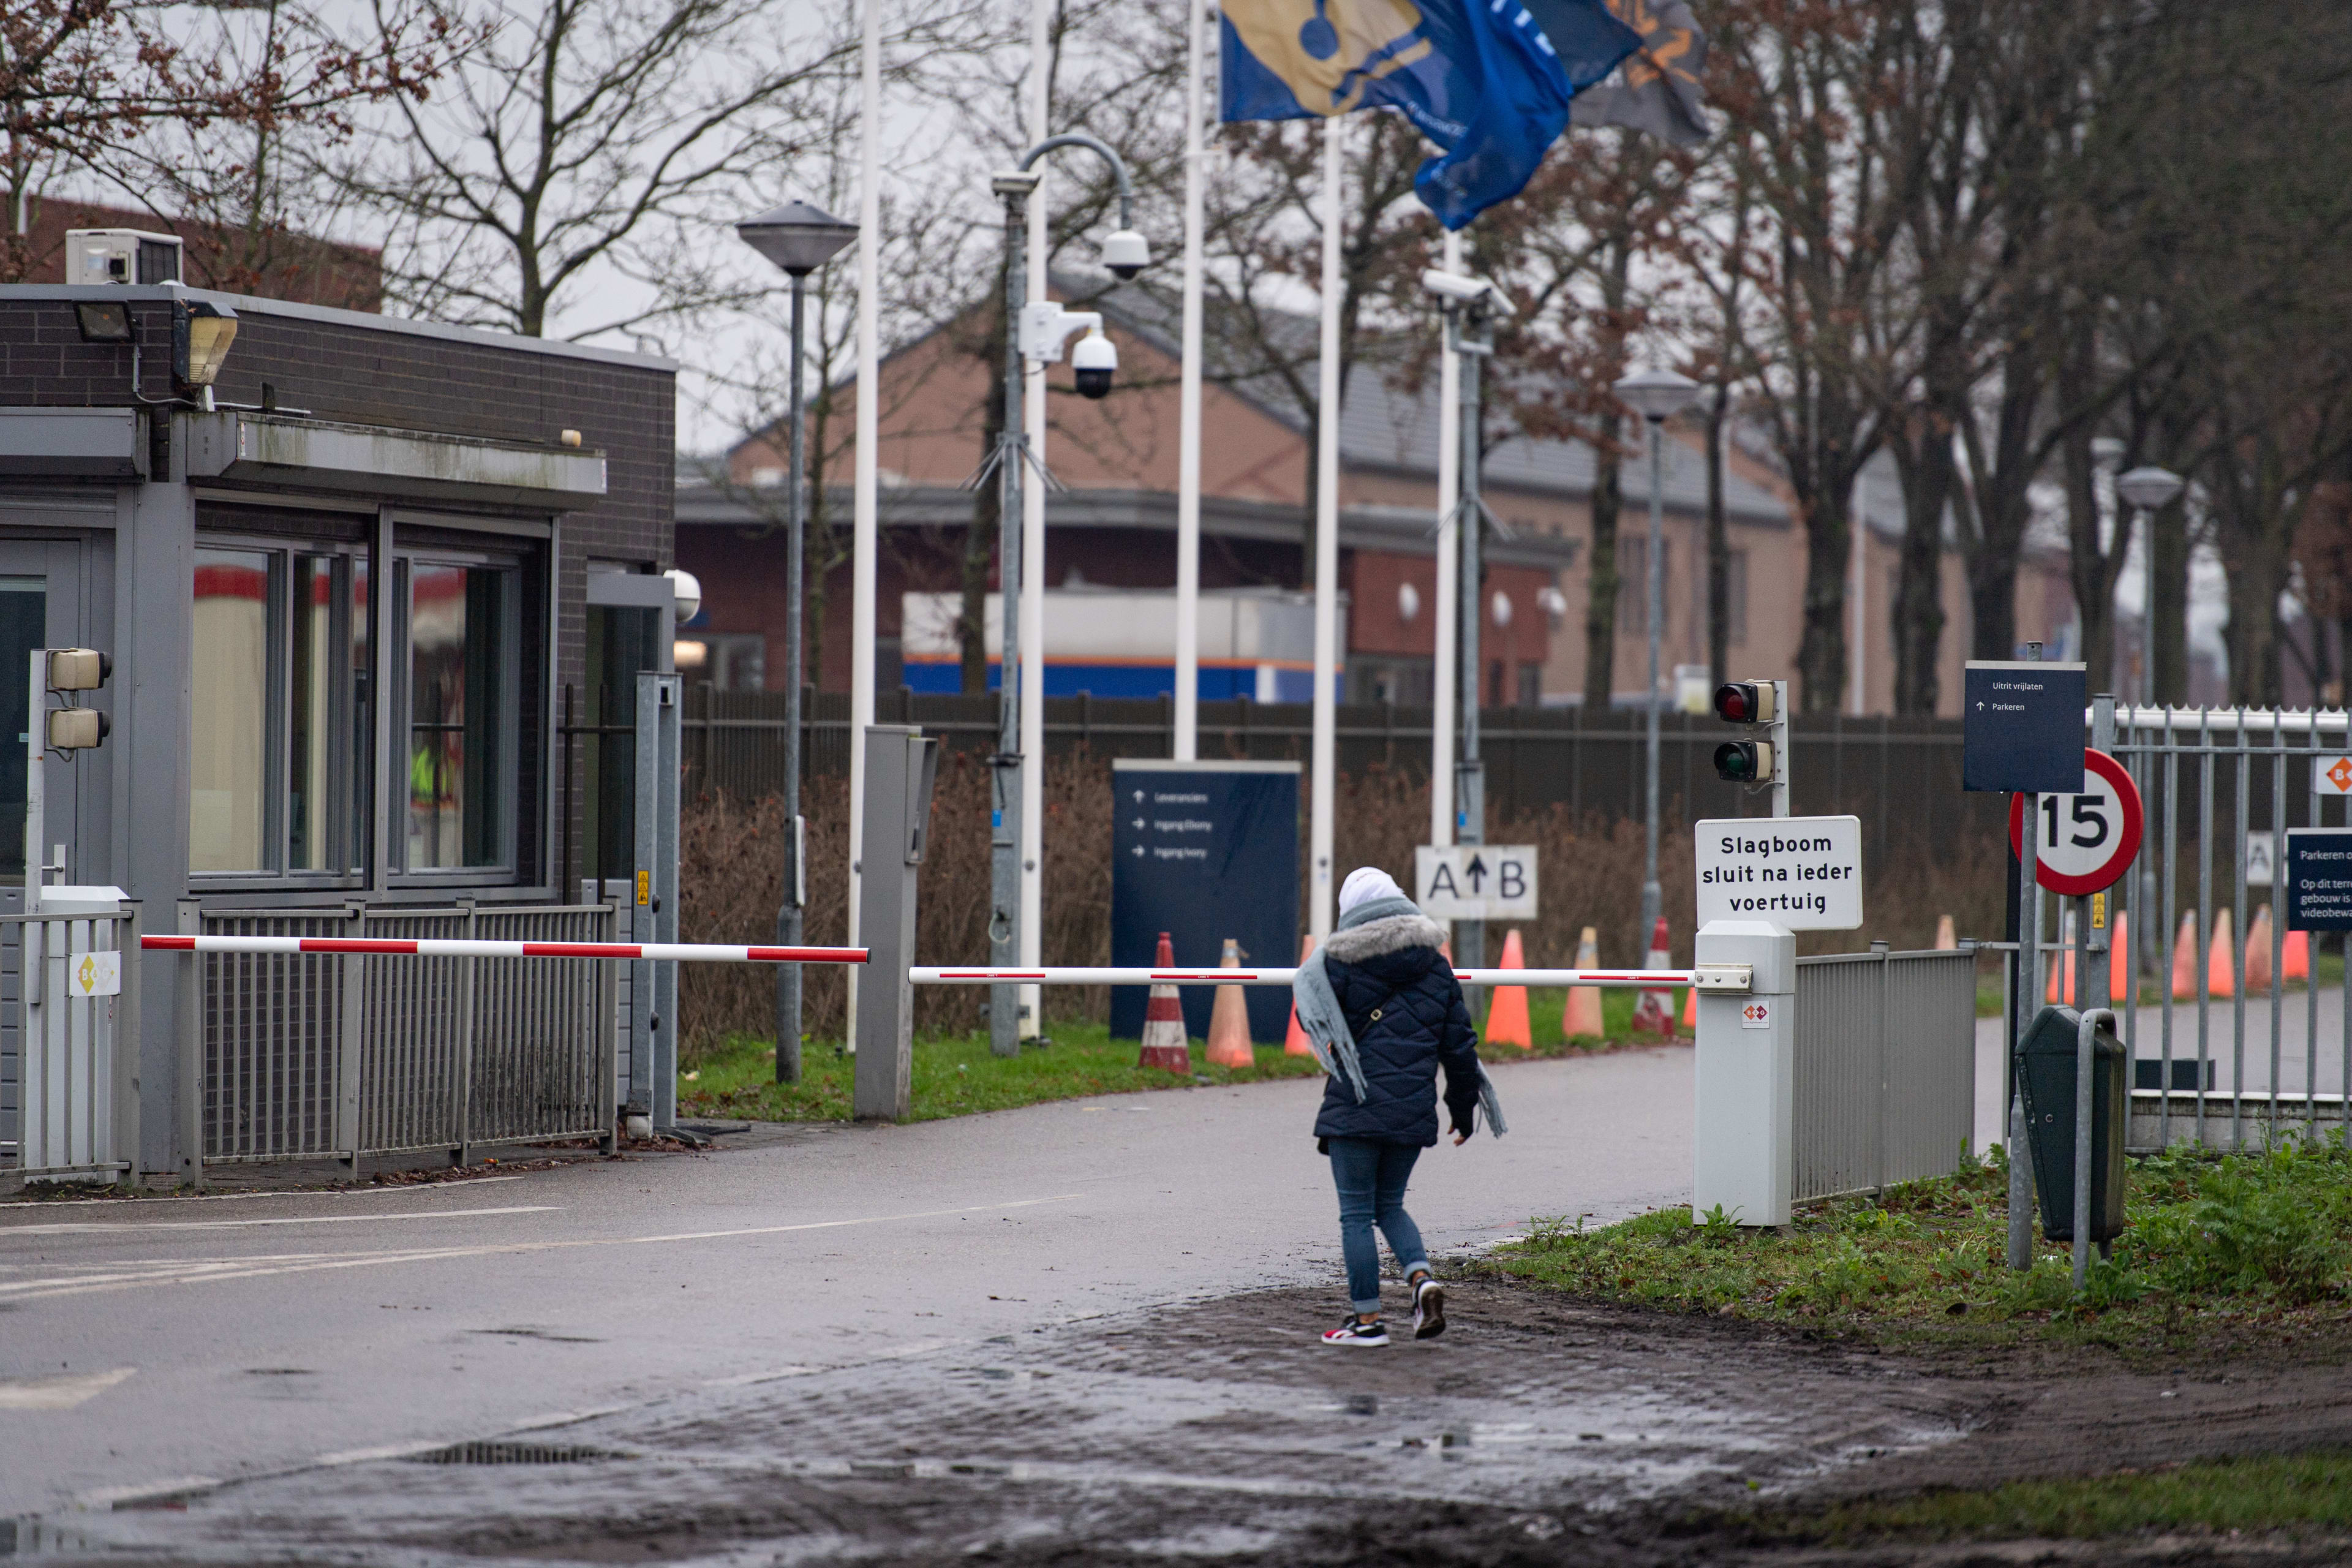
x: 1737, y: 703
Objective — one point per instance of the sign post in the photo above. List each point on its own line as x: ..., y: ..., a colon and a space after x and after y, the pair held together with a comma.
x: 2022, y: 731
x: 1760, y: 881
x: 1203, y: 851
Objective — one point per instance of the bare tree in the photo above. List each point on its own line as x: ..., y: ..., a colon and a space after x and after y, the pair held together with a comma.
x: 599, y: 140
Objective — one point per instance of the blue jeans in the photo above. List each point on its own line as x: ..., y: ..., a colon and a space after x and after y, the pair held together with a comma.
x: 1371, y: 1178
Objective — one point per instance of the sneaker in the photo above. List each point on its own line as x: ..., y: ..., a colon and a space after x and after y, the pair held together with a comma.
x: 1351, y: 1332
x: 1428, y: 1310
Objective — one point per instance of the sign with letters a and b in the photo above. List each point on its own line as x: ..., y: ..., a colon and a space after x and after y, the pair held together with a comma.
x: 1475, y: 881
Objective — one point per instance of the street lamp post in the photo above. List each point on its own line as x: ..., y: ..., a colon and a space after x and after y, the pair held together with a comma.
x: 2148, y: 490
x: 1656, y: 395
x: 799, y: 238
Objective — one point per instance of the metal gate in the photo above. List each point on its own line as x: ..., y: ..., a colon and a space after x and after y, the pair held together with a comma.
x: 78, y: 1094
x: 2229, y: 1069
x: 292, y: 1057
x: 1886, y: 1069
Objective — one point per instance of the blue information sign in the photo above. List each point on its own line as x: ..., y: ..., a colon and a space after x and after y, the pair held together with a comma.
x: 2022, y: 727
x: 1204, y: 851
x: 2318, y: 878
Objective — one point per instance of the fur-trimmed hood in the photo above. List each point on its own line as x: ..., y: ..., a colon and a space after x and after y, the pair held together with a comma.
x: 1373, y: 938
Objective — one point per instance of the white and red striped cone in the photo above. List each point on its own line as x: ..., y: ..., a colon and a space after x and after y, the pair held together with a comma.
x: 1654, y: 1012
x: 1165, y: 1044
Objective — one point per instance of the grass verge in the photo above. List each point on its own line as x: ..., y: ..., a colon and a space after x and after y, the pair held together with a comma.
x: 2296, y: 1493
x: 2216, y: 1246
x: 957, y: 1076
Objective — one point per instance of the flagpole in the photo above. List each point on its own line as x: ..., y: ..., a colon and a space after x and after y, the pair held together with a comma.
x: 1449, y: 573
x: 1031, y: 586
x: 1186, y: 742
x: 865, y: 507
x: 1327, y: 542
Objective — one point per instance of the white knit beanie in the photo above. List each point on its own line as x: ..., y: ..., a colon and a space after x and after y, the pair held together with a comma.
x: 1364, y: 884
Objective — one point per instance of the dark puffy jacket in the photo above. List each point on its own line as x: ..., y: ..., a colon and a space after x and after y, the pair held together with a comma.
x: 1405, y: 1009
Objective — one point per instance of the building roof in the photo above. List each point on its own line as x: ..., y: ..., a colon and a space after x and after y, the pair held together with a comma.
x: 1385, y: 426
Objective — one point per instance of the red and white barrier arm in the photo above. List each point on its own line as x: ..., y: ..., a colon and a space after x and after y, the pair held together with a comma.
x: 458, y: 947
x: 1619, y: 979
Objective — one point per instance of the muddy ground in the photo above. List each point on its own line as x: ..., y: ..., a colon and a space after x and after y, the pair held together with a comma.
x: 1536, y: 1431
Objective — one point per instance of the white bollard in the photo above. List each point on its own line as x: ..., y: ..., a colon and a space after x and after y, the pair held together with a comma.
x: 1744, y: 1142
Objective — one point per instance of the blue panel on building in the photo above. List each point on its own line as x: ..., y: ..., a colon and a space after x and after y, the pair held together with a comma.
x: 1218, y: 683
x: 1204, y: 851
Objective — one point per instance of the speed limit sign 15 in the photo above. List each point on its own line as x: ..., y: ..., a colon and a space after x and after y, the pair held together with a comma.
x: 2088, y: 840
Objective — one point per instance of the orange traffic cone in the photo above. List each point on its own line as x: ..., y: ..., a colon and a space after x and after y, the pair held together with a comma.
x: 2184, y: 958
x: 1654, y: 1012
x: 2258, y: 952
x: 1294, y: 1039
x: 2058, y: 992
x: 2116, y: 953
x: 1582, y: 1015
x: 1506, y: 1015
x: 2220, y: 980
x: 1165, y: 1044
x: 2295, y: 959
x: 1945, y: 939
x: 1690, y: 1010
x: 1229, y: 1036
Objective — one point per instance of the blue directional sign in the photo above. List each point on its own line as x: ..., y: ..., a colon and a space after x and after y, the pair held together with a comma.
x: 2022, y: 727
x: 2318, y: 869
x: 1204, y: 851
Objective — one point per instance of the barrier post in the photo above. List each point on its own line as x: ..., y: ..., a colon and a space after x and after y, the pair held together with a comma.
x: 900, y: 766
x: 190, y: 999
x: 1744, y: 1152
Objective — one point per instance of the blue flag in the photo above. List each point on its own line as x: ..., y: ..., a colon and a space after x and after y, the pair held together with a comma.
x: 1487, y: 80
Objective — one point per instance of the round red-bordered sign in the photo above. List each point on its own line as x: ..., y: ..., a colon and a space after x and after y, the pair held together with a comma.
x: 2088, y: 840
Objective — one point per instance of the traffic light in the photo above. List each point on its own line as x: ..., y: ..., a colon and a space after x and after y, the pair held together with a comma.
x: 1758, y: 760
x: 1744, y: 762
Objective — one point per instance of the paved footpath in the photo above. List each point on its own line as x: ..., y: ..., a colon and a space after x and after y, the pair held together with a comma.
x: 144, y: 1345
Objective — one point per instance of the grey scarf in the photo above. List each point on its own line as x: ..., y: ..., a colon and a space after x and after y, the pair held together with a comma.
x: 1325, y: 1026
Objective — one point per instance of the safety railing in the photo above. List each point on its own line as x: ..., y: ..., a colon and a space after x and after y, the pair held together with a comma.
x: 1885, y: 1068
x: 78, y: 1097
x: 304, y: 1036
x: 2223, y: 1055
x: 329, y: 1033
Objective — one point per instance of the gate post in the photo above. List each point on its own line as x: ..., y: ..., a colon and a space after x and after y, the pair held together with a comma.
x: 1744, y: 1147
x: 900, y: 766
x: 653, y: 989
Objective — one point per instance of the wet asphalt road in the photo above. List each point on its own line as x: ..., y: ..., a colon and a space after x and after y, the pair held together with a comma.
x: 158, y: 1347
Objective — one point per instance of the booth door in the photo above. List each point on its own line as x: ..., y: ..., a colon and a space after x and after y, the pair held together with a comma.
x: 40, y: 606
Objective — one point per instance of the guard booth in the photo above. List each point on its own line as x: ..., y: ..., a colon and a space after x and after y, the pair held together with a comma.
x: 354, y: 573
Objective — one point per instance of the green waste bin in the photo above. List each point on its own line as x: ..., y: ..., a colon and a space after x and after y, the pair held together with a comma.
x: 2046, y: 1079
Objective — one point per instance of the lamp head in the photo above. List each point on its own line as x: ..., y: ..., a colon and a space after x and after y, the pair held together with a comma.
x: 2149, y: 487
x: 200, y: 334
x: 1657, y: 394
x: 796, y: 236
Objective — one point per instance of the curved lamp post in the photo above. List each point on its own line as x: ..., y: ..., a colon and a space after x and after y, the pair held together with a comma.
x: 1657, y: 394
x: 799, y: 238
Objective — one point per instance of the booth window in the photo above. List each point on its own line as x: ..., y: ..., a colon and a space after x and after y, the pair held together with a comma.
x: 461, y: 625
x: 278, y: 727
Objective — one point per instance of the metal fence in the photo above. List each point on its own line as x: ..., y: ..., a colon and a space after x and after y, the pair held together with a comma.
x: 2216, y: 1061
x: 286, y: 1057
x: 1896, y: 774
x: 79, y: 1096
x: 1886, y: 1069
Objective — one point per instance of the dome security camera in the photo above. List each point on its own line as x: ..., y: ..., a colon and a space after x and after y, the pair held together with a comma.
x: 1125, y: 253
x: 1096, y: 359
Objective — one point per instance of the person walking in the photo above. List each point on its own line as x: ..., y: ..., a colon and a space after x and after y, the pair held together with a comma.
x: 1381, y: 1010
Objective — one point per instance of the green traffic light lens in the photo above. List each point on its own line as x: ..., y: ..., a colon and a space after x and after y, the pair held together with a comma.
x: 1734, y: 762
